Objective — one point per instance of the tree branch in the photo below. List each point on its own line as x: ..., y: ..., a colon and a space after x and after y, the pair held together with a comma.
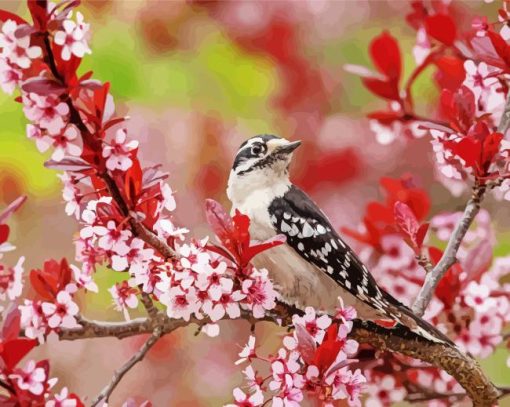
x: 119, y: 373
x: 465, y: 369
x: 449, y: 257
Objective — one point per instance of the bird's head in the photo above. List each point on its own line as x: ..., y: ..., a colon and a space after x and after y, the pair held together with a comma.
x: 260, y: 162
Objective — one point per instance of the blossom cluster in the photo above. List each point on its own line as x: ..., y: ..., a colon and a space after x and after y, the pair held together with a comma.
x: 471, y: 75
x: 314, y: 361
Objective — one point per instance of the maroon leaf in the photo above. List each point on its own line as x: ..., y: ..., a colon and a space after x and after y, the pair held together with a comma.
x: 74, y: 164
x: 305, y: 344
x: 51, y: 279
x: 43, y: 86
x: 442, y: 28
x: 500, y: 46
x: 38, y: 10
x: 13, y: 207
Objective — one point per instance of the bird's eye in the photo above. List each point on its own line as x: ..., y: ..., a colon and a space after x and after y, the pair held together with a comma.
x: 256, y: 149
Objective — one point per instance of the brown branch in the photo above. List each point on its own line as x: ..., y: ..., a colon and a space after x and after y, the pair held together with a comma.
x: 119, y: 373
x: 465, y: 369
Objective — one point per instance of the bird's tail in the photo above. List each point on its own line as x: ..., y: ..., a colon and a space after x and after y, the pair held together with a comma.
x: 408, y: 320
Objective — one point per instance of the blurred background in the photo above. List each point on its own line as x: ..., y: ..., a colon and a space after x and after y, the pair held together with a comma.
x: 197, y: 79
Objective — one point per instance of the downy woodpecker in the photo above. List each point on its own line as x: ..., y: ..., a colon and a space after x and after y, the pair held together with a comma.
x: 315, y: 266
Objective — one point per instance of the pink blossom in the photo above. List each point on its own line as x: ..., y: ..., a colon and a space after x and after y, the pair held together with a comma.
x: 136, y: 259
x: 180, y: 304
x: 62, y: 313
x: 166, y: 229
x: 83, y: 279
x: 477, y: 296
x: 348, y: 385
x: 73, y: 38
x: 316, y: 326
x: 260, y: 294
x: 195, y: 258
x: 228, y: 303
x: 10, y: 77
x: 118, y: 152
x: 422, y: 48
x: 61, y: 400
x: 384, y: 391
x: 11, y: 283
x: 17, y: 49
x: 30, y: 378
x: 64, y: 143
x: 477, y: 77
x: 248, y: 351
x: 70, y: 194
x: 247, y: 400
x: 124, y: 297
x: 49, y: 113
x: 33, y: 319
x: 115, y: 239
x: 168, y: 201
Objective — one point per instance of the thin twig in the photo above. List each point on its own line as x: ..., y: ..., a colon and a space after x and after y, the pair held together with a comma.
x: 119, y: 373
x: 449, y: 257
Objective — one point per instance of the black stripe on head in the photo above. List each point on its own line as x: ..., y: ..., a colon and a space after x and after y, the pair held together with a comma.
x: 248, y: 149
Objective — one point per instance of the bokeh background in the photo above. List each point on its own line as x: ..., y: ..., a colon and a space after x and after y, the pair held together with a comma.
x: 197, y: 79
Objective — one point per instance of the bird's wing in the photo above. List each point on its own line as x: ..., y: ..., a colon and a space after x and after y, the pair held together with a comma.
x: 311, y: 235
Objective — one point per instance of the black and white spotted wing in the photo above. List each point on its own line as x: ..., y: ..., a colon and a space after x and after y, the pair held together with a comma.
x: 311, y: 235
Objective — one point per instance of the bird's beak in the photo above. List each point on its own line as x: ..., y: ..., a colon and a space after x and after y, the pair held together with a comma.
x: 288, y: 147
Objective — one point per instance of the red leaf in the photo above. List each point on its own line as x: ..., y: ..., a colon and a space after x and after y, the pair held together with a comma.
x: 407, y: 222
x: 500, y: 46
x: 7, y: 15
x: 442, y: 28
x: 53, y: 278
x: 385, y: 54
x: 385, y: 89
x: 234, y: 234
x: 450, y: 72
x: 421, y: 233
x: 13, y: 207
x: 449, y: 286
x: 15, y: 350
x: 133, y: 181
x: 327, y: 351
x: 11, y: 325
x: 459, y: 107
x: 38, y: 10
x: 4, y: 233
x: 257, y: 248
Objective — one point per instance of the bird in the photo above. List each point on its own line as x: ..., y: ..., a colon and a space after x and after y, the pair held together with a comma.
x: 315, y: 266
